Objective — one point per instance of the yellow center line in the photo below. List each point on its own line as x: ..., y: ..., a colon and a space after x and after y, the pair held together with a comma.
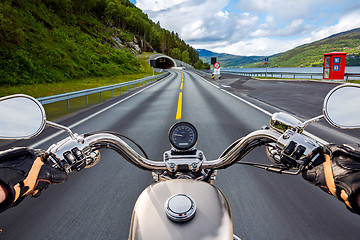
x: 181, y: 87
x: 178, y: 112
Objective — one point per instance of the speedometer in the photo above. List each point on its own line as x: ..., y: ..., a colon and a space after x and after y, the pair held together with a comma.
x: 183, y: 136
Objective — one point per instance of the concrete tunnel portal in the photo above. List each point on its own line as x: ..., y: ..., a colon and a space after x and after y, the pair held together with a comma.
x: 164, y: 62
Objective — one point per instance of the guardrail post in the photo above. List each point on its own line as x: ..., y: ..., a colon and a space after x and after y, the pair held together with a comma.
x: 112, y: 92
x: 100, y: 96
x: 87, y: 99
x: 68, y: 104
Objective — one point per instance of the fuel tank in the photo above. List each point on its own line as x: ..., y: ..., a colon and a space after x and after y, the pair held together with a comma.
x: 212, y: 218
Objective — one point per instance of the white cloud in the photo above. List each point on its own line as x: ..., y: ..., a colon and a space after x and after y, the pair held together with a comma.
x: 257, y: 47
x: 288, y: 9
x: 349, y: 21
x: 257, y: 27
x: 158, y: 5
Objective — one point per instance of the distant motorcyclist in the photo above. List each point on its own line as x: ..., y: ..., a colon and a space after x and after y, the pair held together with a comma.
x: 24, y: 172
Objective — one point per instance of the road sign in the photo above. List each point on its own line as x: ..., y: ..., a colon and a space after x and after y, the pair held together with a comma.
x: 266, y: 59
x: 213, y: 60
x: 216, y: 65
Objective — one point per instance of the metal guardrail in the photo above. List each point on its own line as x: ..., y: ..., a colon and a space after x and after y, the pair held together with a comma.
x: 347, y: 75
x: 87, y: 92
x: 281, y: 74
x: 272, y: 74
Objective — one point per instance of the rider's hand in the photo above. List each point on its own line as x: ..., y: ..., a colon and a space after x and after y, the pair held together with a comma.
x: 338, y: 174
x: 26, y: 172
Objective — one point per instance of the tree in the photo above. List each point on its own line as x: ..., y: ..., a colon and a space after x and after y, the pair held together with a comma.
x: 176, y: 53
x: 199, y: 64
x: 206, y: 66
x: 186, y: 57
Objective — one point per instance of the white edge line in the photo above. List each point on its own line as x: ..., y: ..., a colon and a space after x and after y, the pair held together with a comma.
x: 320, y: 140
x: 89, y: 117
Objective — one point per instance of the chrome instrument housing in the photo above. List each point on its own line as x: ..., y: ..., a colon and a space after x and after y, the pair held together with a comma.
x: 281, y: 122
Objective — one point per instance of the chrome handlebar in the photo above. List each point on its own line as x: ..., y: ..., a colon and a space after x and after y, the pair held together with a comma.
x: 61, y: 151
x: 243, y: 147
x: 105, y: 140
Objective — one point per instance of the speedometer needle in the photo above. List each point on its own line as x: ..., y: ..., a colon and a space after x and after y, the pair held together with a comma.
x: 179, y: 135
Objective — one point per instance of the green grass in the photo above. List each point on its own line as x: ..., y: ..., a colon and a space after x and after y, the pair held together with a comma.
x: 56, y: 110
x: 49, y: 89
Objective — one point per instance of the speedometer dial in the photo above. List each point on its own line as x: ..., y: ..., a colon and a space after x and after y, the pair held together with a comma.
x: 183, y: 136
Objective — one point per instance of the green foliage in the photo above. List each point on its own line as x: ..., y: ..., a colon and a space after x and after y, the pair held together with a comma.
x: 176, y: 53
x: 51, y: 41
x: 185, y: 57
x: 199, y: 65
x: 206, y: 66
x: 45, y: 41
x: 311, y: 55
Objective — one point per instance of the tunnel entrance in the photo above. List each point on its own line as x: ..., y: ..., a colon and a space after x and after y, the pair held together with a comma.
x: 164, y: 62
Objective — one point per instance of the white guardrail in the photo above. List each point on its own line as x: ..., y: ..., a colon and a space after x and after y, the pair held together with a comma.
x: 87, y: 92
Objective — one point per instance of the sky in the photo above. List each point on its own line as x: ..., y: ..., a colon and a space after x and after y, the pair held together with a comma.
x: 252, y: 27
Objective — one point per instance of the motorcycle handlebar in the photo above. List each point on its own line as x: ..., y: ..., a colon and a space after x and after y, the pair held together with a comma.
x: 105, y: 140
x: 233, y: 154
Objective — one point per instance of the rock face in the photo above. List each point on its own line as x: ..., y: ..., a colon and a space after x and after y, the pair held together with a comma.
x: 136, y: 46
x: 120, y: 40
x: 142, y: 45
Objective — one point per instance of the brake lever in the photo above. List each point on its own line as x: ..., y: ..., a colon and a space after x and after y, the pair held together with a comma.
x: 273, y: 168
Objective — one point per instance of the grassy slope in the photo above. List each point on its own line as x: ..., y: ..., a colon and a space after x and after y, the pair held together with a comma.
x: 39, y: 46
x: 48, y: 89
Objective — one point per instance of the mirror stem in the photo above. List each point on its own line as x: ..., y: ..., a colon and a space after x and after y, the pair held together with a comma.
x: 58, y: 126
x: 312, y: 120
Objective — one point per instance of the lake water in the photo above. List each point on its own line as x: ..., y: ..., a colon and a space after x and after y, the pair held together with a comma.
x: 295, y: 70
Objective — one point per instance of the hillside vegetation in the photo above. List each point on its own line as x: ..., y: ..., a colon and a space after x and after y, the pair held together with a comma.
x: 311, y: 55
x: 45, y: 41
x: 228, y: 60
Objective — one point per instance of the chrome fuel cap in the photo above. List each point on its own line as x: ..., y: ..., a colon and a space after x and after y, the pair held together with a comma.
x: 180, y: 208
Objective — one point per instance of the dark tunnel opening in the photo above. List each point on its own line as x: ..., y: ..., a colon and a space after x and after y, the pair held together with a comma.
x: 164, y: 63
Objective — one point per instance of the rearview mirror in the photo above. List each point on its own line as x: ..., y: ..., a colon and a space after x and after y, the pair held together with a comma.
x: 342, y: 105
x: 21, y: 117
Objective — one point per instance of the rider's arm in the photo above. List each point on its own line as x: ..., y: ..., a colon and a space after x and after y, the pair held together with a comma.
x: 338, y: 174
x: 25, y: 172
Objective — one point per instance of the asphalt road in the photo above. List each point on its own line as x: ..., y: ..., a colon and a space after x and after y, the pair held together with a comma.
x: 97, y: 203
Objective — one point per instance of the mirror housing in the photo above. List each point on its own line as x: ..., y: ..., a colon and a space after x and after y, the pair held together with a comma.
x: 22, y: 117
x: 341, y: 106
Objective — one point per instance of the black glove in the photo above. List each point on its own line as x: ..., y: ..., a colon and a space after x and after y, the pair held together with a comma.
x: 26, y: 172
x: 338, y: 174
